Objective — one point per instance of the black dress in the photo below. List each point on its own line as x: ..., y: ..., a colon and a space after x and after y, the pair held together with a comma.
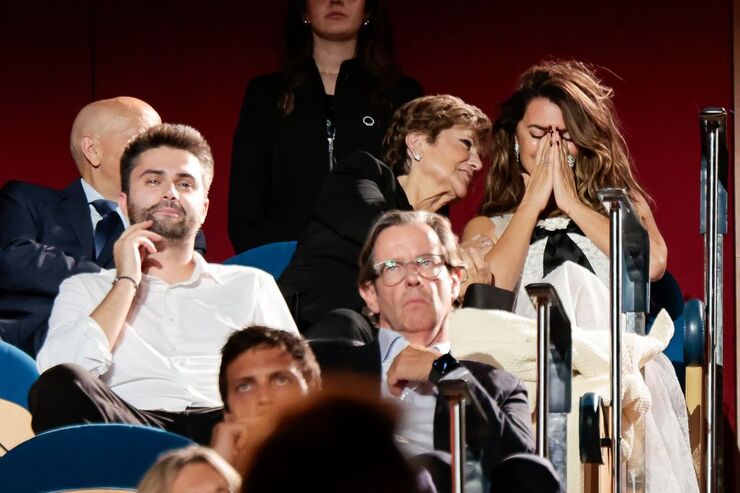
x: 279, y: 162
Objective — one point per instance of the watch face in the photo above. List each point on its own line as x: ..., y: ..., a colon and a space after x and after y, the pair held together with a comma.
x: 442, y: 366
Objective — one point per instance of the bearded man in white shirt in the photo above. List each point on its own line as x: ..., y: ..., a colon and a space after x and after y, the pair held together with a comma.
x: 141, y: 343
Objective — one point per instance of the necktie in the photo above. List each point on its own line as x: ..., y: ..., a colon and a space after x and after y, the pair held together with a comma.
x: 560, y: 248
x: 107, y: 225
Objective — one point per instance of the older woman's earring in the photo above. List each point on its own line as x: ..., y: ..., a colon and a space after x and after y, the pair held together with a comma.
x: 516, y: 149
x: 571, y: 160
x: 416, y: 155
x: 366, y: 22
x: 306, y: 21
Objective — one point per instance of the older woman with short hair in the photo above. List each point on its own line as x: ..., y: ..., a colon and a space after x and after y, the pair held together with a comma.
x: 432, y: 150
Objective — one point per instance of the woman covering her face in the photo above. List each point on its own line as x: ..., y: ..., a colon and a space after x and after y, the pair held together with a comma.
x: 556, y: 142
x: 337, y: 88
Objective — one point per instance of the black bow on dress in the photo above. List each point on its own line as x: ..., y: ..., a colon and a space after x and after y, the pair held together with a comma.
x: 560, y: 248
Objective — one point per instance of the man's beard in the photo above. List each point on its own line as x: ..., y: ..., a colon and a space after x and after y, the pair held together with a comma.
x: 168, y: 227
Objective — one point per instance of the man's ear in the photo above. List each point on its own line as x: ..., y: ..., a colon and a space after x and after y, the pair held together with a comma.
x: 123, y: 204
x: 91, y: 150
x: 368, y: 293
x: 206, y: 202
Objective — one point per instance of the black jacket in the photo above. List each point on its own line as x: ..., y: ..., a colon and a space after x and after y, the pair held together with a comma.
x: 503, y: 428
x: 279, y: 163
x: 324, y: 268
x: 46, y: 236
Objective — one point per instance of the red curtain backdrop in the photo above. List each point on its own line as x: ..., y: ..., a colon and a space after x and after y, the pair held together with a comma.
x: 191, y: 61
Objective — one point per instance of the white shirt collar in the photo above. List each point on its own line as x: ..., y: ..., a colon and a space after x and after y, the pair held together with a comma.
x: 392, y: 342
x: 202, y: 268
x: 92, y: 195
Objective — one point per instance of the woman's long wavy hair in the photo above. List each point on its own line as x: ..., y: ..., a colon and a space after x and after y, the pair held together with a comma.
x: 375, y: 53
x: 589, y: 114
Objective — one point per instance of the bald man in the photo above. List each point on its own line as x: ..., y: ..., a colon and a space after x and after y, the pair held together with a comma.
x: 48, y: 235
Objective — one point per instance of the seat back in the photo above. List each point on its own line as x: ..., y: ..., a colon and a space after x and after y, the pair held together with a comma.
x: 272, y: 258
x: 17, y: 373
x: 85, y: 457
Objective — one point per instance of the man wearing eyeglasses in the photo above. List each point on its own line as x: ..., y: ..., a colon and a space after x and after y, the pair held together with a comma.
x: 410, y: 275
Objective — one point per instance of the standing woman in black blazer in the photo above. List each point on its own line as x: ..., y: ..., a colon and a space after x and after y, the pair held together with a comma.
x: 338, y: 87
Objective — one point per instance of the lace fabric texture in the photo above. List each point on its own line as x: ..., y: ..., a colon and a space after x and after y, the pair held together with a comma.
x: 533, y: 271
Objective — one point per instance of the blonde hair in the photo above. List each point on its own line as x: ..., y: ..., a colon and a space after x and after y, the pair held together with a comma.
x: 591, y: 119
x: 162, y: 474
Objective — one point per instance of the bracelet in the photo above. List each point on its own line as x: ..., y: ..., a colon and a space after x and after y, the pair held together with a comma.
x: 136, y: 284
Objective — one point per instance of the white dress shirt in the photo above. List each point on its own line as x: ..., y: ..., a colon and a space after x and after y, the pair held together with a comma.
x: 169, y: 351
x: 92, y: 195
x: 416, y: 430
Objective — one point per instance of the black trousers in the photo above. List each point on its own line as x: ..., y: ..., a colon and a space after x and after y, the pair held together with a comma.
x: 70, y: 395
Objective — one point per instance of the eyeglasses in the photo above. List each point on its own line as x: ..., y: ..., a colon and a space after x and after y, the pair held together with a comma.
x: 393, y: 271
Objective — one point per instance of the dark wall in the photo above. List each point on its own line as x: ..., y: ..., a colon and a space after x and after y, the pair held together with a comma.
x: 191, y: 60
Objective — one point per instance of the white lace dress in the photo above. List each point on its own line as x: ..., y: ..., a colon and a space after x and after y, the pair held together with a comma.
x: 585, y: 298
x: 574, y: 281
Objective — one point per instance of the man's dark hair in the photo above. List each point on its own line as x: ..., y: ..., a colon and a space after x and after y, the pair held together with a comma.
x: 175, y: 136
x: 355, y: 435
x: 257, y: 337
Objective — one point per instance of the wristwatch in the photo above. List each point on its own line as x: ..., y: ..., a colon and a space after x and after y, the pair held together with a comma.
x: 442, y: 366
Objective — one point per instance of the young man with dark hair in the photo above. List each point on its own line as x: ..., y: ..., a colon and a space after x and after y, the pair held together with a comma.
x: 263, y: 372
x: 140, y: 343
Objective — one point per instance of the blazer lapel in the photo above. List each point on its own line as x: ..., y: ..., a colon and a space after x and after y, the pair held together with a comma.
x: 367, y: 361
x: 105, y: 260
x: 75, y: 207
x: 441, y: 424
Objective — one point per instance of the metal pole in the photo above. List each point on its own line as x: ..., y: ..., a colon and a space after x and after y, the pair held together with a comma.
x: 615, y: 250
x: 457, y: 443
x: 710, y: 239
x: 543, y: 363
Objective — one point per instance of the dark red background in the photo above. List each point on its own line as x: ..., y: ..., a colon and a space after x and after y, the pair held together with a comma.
x: 190, y: 60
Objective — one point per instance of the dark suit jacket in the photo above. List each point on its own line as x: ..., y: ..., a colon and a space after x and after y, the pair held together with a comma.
x: 503, y: 428
x: 279, y: 162
x: 46, y: 236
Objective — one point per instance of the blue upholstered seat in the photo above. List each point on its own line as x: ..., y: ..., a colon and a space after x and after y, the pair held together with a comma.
x: 272, y: 258
x: 85, y: 456
x: 17, y: 373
